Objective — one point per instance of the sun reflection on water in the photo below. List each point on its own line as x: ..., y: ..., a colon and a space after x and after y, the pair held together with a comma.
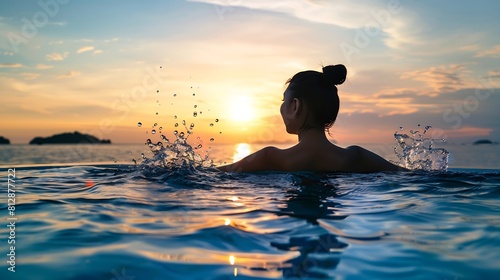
x: 242, y: 150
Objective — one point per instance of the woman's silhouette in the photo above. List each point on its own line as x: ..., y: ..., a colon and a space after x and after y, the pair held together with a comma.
x: 310, y: 107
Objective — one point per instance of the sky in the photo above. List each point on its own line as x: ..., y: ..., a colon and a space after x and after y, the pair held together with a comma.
x: 101, y: 67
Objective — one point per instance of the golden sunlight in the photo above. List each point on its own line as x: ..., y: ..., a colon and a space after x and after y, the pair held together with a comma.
x: 242, y: 150
x: 241, y: 109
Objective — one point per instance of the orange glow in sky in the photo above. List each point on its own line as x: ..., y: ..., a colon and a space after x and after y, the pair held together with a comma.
x: 102, y: 74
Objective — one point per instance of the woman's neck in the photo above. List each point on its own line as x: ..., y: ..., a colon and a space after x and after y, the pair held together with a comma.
x: 313, y: 136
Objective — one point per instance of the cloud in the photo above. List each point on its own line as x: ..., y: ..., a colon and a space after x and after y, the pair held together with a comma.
x: 84, y: 40
x: 469, y: 48
x: 384, y: 103
x: 30, y: 76
x: 85, y: 49
x: 58, y: 23
x: 383, y: 19
x: 56, y: 56
x: 340, y: 14
x: 69, y: 74
x: 452, y: 113
x: 11, y: 65
x: 441, y: 79
x: 468, y: 131
x: 396, y: 94
x: 97, y: 52
x: 494, y: 74
x: 494, y: 52
x: 43, y: 66
x: 111, y: 40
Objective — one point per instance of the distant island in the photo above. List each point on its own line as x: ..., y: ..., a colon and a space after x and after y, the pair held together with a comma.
x: 4, y: 140
x: 483, y: 141
x: 69, y: 138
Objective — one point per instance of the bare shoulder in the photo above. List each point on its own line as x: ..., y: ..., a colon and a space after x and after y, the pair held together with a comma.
x: 364, y: 160
x: 267, y: 158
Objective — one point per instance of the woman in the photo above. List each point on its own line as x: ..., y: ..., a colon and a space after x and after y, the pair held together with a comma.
x: 310, y: 107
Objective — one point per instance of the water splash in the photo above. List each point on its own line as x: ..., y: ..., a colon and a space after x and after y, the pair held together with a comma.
x: 178, y: 154
x: 416, y: 152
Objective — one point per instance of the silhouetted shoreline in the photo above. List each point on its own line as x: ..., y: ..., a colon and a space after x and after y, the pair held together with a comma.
x: 69, y: 138
x: 4, y: 141
x: 483, y: 142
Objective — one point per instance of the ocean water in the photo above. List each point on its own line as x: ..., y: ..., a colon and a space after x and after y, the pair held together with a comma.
x: 87, y: 212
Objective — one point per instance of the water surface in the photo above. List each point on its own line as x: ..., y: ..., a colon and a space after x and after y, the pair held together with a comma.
x: 118, y: 221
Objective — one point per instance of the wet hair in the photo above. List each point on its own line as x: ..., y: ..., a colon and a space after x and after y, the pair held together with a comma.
x: 319, y: 92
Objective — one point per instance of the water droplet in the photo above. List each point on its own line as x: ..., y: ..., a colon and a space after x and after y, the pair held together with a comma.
x: 153, y: 131
x: 195, y: 106
x: 201, y: 112
x: 220, y: 132
x: 195, y: 114
x: 175, y: 117
x: 194, y: 94
x: 176, y: 124
x: 155, y: 124
x: 181, y: 134
x: 211, y: 124
x: 216, y: 120
x: 157, y: 113
x: 400, y: 128
x: 198, y: 138
x: 142, y: 155
x: 212, y: 139
x: 183, y: 122
x: 175, y: 94
x: 139, y: 124
x: 161, y: 67
x: 191, y: 126
x: 199, y: 146
x: 176, y: 132
x: 161, y: 127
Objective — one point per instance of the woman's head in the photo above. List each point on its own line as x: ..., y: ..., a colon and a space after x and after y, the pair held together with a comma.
x: 312, y: 99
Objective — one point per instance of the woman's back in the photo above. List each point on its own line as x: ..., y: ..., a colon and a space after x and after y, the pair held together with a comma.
x: 310, y: 106
x: 326, y: 158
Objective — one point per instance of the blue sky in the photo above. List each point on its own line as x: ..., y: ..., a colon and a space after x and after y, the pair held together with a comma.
x: 94, y: 66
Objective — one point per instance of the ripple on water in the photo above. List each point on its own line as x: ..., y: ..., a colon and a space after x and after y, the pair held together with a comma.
x: 198, y: 223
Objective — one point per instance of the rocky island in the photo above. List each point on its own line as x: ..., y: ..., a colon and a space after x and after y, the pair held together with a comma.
x: 4, y: 140
x: 483, y: 142
x: 69, y: 138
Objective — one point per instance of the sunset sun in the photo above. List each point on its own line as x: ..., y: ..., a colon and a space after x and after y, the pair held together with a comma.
x: 241, y: 109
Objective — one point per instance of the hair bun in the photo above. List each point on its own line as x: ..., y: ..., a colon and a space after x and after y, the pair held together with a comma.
x: 335, y: 74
